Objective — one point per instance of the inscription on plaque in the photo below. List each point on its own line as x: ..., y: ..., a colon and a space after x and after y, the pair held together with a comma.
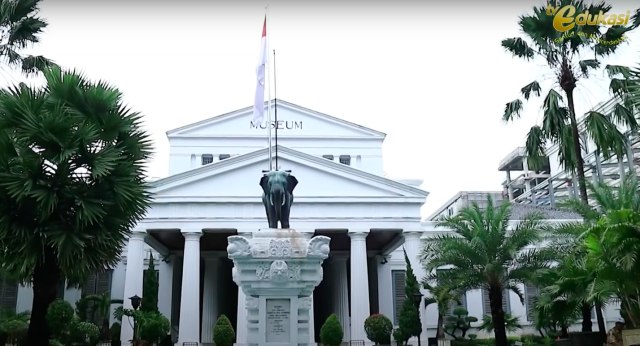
x: 278, y: 320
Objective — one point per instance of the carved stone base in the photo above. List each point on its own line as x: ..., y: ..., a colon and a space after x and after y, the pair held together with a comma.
x: 278, y: 269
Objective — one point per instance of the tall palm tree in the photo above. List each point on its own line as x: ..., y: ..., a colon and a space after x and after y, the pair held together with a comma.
x: 484, y: 252
x: 562, y: 51
x: 72, y: 183
x: 20, y: 27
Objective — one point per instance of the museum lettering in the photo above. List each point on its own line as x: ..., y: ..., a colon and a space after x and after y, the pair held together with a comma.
x: 282, y: 125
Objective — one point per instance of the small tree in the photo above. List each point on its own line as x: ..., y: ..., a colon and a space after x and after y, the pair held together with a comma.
x: 331, y: 333
x: 408, y: 320
x: 378, y: 328
x: 459, y: 321
x: 511, y: 323
x: 150, y: 288
x: 410, y: 316
x: 223, y: 333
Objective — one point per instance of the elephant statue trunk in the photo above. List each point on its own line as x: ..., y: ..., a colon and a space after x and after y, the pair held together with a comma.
x: 277, y: 197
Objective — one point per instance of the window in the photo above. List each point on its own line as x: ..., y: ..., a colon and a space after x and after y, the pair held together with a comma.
x: 224, y: 156
x: 486, y: 305
x: 97, y: 284
x: 462, y: 302
x: 398, y: 279
x: 328, y: 157
x: 345, y: 160
x: 531, y: 294
x: 207, y: 159
x: 8, y: 294
x: 450, y: 212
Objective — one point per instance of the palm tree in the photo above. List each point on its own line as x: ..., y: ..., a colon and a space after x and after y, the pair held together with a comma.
x: 484, y: 252
x: 613, y: 245
x: 20, y: 27
x: 71, y: 183
x: 561, y: 53
x: 442, y: 295
x: 101, y: 306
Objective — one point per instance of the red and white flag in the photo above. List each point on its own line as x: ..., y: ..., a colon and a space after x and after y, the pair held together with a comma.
x: 258, y: 105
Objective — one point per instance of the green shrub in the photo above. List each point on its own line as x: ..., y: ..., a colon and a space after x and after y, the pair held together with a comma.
x: 84, y: 333
x: 331, y: 333
x: 152, y: 326
x: 223, y: 333
x: 60, y: 316
x: 400, y: 337
x: 378, y: 328
x: 115, y: 331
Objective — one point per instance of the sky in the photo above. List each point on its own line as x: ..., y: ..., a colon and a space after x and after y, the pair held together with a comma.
x: 432, y: 76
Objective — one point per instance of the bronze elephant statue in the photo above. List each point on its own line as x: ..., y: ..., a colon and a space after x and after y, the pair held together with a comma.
x: 277, y: 196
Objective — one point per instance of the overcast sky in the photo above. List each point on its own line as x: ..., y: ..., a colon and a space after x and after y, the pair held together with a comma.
x: 432, y: 76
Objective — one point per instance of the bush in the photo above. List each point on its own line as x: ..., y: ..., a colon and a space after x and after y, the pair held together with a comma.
x: 331, y: 332
x: 153, y: 326
x: 115, y: 331
x: 84, y: 333
x: 400, y: 337
x: 60, y: 316
x: 378, y: 328
x: 223, y: 333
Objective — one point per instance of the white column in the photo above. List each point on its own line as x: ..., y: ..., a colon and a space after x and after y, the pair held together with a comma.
x: 413, y: 246
x: 210, y: 298
x: 312, y: 327
x: 340, y: 293
x: 133, y: 279
x: 385, y: 294
x: 189, y: 328
x: 359, y: 285
x: 165, y: 286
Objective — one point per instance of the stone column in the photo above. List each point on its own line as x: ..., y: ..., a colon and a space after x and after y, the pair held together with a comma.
x: 340, y: 290
x: 133, y: 278
x: 189, y: 327
x: 359, y: 284
x: 210, y: 297
x: 413, y: 246
x: 165, y: 286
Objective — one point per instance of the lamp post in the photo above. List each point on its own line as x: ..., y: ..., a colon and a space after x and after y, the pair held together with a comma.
x: 417, y: 299
x: 135, y: 303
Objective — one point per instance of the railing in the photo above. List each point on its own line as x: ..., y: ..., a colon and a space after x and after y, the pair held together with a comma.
x: 356, y: 342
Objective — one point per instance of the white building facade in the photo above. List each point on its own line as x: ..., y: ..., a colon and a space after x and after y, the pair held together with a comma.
x: 212, y: 192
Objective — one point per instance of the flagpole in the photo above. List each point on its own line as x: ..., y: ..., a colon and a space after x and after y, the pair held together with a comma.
x: 275, y: 105
x: 266, y: 15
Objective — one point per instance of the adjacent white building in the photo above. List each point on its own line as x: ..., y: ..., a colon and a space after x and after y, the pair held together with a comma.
x: 212, y: 192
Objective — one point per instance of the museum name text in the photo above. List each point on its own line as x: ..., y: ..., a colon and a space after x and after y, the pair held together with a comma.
x: 565, y: 18
x: 282, y: 125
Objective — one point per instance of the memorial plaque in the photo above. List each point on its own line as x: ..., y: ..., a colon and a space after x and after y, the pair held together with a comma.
x: 278, y: 320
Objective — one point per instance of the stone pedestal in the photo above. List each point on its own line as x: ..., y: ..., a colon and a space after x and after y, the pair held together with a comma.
x: 278, y: 269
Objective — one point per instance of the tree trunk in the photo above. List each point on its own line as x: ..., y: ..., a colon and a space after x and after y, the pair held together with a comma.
x: 440, y: 332
x: 45, y: 285
x: 582, y: 185
x: 587, y: 325
x: 497, y: 315
x: 601, y: 327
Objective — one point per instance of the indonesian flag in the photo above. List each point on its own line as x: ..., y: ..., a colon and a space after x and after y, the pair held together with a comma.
x: 258, y: 105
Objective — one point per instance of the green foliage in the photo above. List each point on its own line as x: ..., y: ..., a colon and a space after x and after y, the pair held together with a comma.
x: 223, y: 333
x: 511, y: 323
x: 72, y: 181
x: 331, y: 332
x: 378, y: 328
x: 25, y: 26
x: 409, y: 319
x: 411, y: 285
x: 84, y: 333
x: 115, y: 331
x: 13, y: 325
x: 152, y: 326
x: 442, y: 293
x: 150, y: 287
x: 484, y: 252
x: 458, y: 324
x: 400, y: 337
x: 60, y: 316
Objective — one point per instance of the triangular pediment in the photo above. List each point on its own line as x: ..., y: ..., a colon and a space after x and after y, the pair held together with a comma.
x: 293, y: 121
x: 238, y: 177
